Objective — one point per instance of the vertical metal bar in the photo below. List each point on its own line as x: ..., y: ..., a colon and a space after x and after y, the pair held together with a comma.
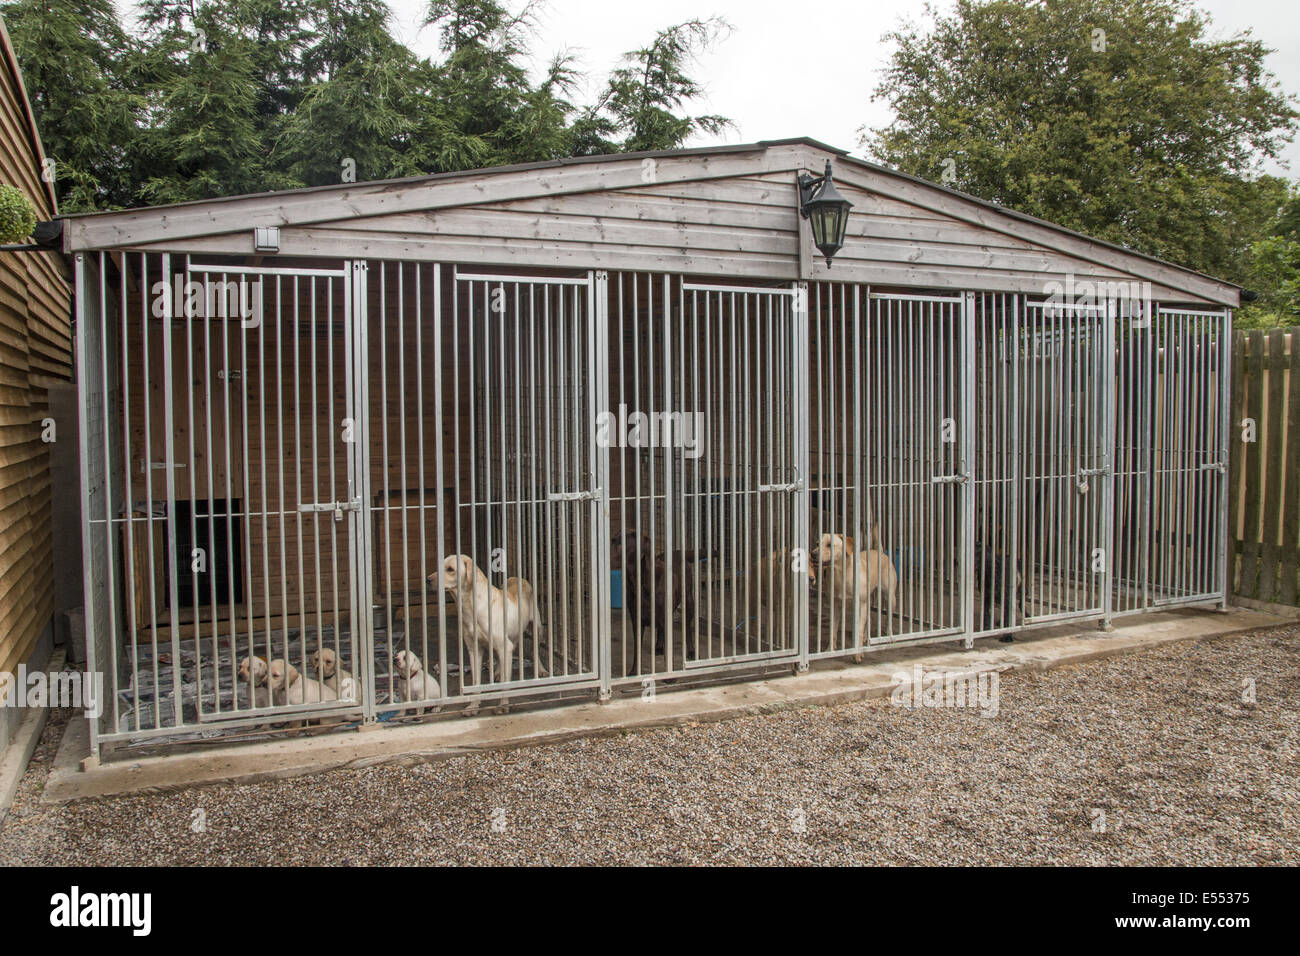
x: 598, y: 310
x: 422, y: 579
x: 279, y: 419
x: 260, y: 303
x: 1109, y: 459
x: 1225, y: 428
x: 169, y: 479
x: 193, y: 467
x: 439, y: 475
x: 114, y: 625
x: 965, y: 466
x: 799, y: 376
x: 81, y: 327
x: 363, y: 636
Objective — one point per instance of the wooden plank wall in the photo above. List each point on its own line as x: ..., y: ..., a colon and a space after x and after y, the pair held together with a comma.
x: 1264, y: 525
x: 35, y: 350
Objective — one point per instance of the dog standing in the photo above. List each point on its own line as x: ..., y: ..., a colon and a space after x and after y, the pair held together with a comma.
x: 997, y: 575
x: 646, y: 589
x: 490, y: 618
x: 869, y: 572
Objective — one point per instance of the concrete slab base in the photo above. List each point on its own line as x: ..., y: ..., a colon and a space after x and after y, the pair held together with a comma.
x: 73, y: 777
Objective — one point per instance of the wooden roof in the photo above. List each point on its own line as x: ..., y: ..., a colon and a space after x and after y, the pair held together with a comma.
x: 719, y: 211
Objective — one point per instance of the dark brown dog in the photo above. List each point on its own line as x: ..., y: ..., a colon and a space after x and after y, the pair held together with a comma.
x: 643, y: 569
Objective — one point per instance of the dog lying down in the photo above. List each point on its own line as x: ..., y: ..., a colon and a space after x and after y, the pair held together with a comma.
x: 288, y: 686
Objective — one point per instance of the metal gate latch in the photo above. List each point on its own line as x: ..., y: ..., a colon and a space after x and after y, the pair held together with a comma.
x: 338, y: 507
x: 1218, y: 466
x: 950, y: 479
x: 573, y: 495
x: 1085, y: 473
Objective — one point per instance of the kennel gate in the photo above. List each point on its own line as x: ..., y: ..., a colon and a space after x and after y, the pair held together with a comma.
x: 378, y: 417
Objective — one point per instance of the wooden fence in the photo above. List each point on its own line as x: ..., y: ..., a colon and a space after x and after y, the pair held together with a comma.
x: 1264, y: 559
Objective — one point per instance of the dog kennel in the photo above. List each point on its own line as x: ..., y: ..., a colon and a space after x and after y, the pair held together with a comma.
x: 629, y: 382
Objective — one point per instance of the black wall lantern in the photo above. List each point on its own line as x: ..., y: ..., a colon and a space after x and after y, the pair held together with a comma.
x: 826, y: 210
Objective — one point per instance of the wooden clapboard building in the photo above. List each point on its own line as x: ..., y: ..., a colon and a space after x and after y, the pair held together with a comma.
x: 35, y: 354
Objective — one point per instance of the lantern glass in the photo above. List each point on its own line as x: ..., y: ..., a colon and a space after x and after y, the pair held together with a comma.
x: 827, y: 212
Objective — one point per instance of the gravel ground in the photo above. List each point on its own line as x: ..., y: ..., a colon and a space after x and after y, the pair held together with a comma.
x: 1161, y: 742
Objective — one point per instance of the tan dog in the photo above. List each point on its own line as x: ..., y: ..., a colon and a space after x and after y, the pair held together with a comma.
x: 252, y: 671
x: 869, y: 571
x: 290, y: 687
x: 326, y: 663
x: 413, y: 681
x: 490, y: 617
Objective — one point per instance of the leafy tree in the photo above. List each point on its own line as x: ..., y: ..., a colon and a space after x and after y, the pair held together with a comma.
x: 483, y: 85
x: 1123, y: 119
x: 1273, y: 270
x: 205, y: 139
x: 644, y: 96
x: 216, y: 98
x: 71, y: 52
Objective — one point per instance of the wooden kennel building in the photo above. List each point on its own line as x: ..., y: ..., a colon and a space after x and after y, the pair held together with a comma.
x: 632, y: 382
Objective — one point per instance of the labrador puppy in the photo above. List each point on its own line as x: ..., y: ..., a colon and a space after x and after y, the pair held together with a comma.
x: 413, y: 681
x: 288, y: 686
x: 867, y: 572
x: 326, y: 663
x: 253, y: 671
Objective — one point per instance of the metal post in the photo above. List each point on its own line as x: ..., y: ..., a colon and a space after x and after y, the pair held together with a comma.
x: 363, y: 642
x: 1107, y: 463
x: 800, y: 401
x: 1225, y: 478
x: 598, y: 336
x: 964, y: 468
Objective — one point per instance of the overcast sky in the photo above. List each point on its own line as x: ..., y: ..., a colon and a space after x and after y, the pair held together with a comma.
x: 773, y: 86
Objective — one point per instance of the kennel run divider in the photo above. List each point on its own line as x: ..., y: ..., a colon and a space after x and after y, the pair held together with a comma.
x: 280, y: 460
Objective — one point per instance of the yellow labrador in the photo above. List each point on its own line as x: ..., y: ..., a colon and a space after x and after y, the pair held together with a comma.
x: 490, y: 617
x: 868, y: 571
x: 413, y: 681
x: 253, y: 671
x: 288, y: 686
x: 326, y: 663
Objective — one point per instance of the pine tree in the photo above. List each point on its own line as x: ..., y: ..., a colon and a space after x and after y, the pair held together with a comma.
x: 203, y: 139
x: 72, y: 53
x: 644, y: 96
